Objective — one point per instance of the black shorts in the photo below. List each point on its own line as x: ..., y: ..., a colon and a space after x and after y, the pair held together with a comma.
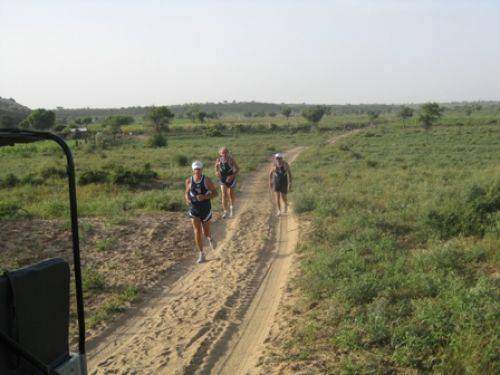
x: 204, y: 213
x: 281, y: 188
x: 223, y: 181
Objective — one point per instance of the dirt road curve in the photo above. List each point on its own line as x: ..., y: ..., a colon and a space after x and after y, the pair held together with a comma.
x: 213, y: 318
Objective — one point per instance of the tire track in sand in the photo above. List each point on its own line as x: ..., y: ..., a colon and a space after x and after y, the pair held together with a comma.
x: 179, y: 327
x: 216, y: 316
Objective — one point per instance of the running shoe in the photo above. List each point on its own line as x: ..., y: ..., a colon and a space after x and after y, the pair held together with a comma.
x: 224, y: 214
x: 201, y: 258
x: 231, y: 211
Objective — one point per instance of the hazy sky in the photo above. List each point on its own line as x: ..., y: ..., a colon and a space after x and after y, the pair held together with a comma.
x: 122, y: 53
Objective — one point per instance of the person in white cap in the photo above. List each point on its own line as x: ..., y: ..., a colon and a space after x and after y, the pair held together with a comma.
x: 280, y: 181
x: 226, y: 170
x: 199, y: 191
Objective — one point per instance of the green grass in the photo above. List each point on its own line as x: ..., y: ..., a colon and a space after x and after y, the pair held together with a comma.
x: 402, y: 260
x: 124, y: 179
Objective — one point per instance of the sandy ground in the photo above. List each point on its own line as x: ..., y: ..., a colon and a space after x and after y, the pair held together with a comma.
x: 228, y: 302
x: 138, y: 251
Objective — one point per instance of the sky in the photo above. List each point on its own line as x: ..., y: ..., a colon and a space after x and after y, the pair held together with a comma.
x: 119, y: 53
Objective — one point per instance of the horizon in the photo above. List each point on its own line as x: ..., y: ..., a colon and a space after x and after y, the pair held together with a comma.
x: 124, y: 54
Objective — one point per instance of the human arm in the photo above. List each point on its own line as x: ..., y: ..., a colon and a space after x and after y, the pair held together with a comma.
x: 217, y: 168
x: 186, y: 193
x: 235, y: 168
x: 289, y: 176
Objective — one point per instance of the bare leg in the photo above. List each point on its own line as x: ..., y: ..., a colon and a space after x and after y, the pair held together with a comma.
x: 278, y: 201
x: 197, y: 233
x: 285, y: 201
x: 208, y: 234
x: 206, y: 229
x: 232, y: 196
x: 224, y: 194
x: 231, y: 201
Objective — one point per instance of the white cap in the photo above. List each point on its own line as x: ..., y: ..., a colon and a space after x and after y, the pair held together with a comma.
x: 197, y: 165
x: 278, y: 155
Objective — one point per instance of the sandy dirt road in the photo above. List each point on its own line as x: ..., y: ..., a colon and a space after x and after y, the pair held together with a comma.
x: 208, y: 318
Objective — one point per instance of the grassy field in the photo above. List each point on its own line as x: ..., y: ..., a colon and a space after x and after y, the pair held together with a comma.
x: 400, y: 269
x: 124, y: 179
x: 132, y: 221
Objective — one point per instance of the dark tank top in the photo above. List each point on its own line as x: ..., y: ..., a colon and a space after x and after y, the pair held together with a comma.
x: 280, y: 176
x: 225, y: 167
x: 198, y: 188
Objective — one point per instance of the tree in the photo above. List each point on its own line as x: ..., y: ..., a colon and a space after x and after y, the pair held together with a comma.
x: 314, y: 114
x: 405, y: 113
x: 83, y: 120
x: 40, y: 119
x: 429, y: 114
x: 7, y: 121
x: 213, y: 115
x: 373, y: 115
x: 160, y: 118
x: 469, y: 109
x: 201, y: 115
x: 286, y: 111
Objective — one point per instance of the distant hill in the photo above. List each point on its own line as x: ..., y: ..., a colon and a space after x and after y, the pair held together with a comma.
x: 11, y: 112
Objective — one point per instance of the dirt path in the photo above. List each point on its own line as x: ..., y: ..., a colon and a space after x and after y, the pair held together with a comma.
x: 188, y: 325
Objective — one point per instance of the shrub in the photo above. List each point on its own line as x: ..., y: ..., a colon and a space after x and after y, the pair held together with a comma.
x: 32, y: 179
x: 304, y: 202
x: 93, y: 177
x: 104, y: 140
x: 273, y: 127
x: 215, y: 130
x: 54, y: 172
x: 469, y: 215
x: 9, y: 181
x: 93, y: 280
x: 157, y: 140
x: 9, y: 210
x: 133, y: 178
x: 181, y: 160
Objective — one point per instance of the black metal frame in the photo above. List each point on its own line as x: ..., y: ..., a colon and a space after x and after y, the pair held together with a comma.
x: 10, y: 137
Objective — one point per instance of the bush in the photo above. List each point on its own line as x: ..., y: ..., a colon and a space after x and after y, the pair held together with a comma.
x: 304, y: 202
x: 273, y: 127
x: 181, y: 160
x: 93, y: 177
x: 215, y: 130
x: 54, y: 172
x: 104, y: 140
x: 9, y: 181
x: 9, y: 210
x: 469, y: 215
x: 133, y: 178
x: 93, y: 280
x: 32, y: 179
x: 157, y: 140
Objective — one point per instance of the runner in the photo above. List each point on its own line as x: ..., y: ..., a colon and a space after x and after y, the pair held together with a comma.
x: 226, y: 170
x: 280, y: 181
x: 199, y: 191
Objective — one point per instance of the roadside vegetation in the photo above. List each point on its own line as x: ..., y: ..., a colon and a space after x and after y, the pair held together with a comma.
x: 133, y: 225
x: 404, y: 219
x: 400, y: 266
